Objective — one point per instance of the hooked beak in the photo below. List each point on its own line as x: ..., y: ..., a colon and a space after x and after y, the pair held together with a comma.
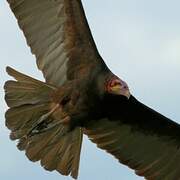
x: 121, y: 90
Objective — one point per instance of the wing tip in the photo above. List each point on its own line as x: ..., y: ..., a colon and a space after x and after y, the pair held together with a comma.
x: 10, y: 70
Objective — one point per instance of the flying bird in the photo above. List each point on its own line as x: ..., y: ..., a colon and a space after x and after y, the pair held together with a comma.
x: 81, y: 95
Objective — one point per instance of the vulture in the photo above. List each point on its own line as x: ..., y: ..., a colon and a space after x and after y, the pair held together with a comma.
x: 81, y: 95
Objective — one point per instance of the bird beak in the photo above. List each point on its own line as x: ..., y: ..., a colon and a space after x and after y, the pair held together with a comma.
x: 119, y: 90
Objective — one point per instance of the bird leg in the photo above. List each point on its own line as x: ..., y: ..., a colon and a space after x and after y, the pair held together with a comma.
x: 49, y: 126
x: 45, y: 123
x: 65, y: 121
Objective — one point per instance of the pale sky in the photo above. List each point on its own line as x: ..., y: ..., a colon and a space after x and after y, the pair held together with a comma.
x: 140, y: 42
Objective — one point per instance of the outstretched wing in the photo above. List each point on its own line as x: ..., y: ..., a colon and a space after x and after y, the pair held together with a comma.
x: 58, y: 34
x: 140, y: 138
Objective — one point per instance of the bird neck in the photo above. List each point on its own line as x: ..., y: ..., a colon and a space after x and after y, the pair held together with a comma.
x: 100, y: 83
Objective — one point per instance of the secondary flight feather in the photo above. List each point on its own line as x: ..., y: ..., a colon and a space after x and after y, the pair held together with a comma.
x: 81, y: 95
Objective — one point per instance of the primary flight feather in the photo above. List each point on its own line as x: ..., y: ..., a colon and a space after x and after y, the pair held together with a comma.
x: 81, y: 95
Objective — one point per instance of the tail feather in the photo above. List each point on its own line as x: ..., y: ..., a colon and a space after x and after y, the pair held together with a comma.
x: 26, y: 90
x: 30, y: 109
x: 20, y: 119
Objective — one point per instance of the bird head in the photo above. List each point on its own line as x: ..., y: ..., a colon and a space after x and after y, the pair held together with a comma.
x: 117, y: 86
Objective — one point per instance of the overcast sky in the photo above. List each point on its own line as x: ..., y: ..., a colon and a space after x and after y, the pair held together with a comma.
x: 140, y: 42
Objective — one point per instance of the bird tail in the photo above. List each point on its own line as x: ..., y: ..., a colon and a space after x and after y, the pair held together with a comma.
x: 30, y: 119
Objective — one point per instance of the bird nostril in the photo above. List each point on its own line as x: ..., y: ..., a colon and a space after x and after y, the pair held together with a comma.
x: 125, y: 87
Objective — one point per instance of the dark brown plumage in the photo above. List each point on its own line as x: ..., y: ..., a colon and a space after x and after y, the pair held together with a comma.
x: 81, y: 95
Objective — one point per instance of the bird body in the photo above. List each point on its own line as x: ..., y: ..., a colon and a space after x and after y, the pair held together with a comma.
x: 81, y: 95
